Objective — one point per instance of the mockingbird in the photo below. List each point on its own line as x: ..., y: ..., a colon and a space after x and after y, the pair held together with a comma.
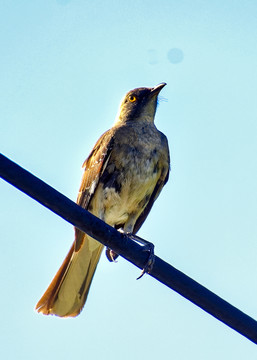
x: 124, y: 174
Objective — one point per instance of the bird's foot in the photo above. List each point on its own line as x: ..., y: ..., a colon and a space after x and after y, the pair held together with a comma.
x: 111, y: 255
x: 147, y: 246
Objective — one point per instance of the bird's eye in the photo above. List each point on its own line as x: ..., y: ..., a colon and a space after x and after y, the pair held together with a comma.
x: 132, y: 98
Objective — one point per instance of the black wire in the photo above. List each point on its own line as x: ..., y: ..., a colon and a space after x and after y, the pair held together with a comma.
x: 130, y: 250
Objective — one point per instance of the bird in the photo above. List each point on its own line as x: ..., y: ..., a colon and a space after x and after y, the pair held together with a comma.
x: 123, y: 176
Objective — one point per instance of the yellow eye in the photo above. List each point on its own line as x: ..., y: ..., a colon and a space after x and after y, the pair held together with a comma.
x: 132, y: 98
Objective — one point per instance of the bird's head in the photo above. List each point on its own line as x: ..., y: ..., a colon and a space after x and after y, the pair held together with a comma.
x: 139, y: 104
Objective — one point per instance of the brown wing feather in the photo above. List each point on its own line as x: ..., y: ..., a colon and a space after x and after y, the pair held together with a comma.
x: 94, y: 166
x: 161, y: 182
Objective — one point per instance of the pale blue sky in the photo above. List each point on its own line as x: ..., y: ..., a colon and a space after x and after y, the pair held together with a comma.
x: 64, y: 67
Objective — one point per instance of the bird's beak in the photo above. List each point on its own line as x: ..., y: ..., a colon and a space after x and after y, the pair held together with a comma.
x: 155, y: 90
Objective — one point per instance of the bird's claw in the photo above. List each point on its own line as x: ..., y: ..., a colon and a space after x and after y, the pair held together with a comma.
x: 148, y: 246
x: 111, y: 255
x: 150, y: 262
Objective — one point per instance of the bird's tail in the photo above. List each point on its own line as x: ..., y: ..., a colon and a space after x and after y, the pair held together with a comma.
x: 67, y: 293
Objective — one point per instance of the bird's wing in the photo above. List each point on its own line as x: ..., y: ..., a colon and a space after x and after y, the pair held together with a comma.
x: 158, y: 187
x: 67, y: 293
x: 94, y: 166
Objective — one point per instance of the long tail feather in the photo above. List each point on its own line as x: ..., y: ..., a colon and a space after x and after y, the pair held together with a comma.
x: 67, y: 293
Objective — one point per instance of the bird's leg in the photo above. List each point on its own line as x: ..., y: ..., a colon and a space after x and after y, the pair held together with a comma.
x: 147, y: 246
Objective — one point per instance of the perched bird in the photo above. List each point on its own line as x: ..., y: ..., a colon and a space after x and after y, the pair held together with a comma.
x: 124, y: 174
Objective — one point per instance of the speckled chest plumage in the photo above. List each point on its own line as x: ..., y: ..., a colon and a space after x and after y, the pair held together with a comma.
x: 138, y: 159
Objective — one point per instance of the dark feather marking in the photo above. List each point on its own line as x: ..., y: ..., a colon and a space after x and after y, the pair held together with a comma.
x: 148, y: 207
x: 144, y: 201
x: 111, y: 179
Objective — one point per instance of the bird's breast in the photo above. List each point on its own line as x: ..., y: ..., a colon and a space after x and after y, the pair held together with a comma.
x: 135, y: 165
x: 127, y: 183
